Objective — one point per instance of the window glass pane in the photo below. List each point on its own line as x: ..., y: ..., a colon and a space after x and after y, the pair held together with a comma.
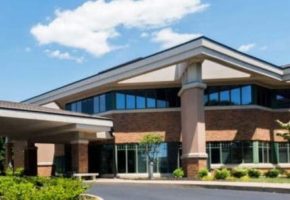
x: 248, y: 152
x: 68, y: 107
x: 213, y: 96
x: 282, y: 98
x: 103, y: 103
x: 87, y: 106
x: 237, y: 154
x: 225, y: 96
x: 120, y: 101
x: 132, y: 159
x: 226, y: 153
x: 236, y: 96
x: 96, y: 104
x: 121, y: 160
x: 215, y: 155
x: 283, y: 153
x: 140, y: 100
x: 142, y: 160
x: 246, y: 95
x: 161, y: 99
x: 151, y: 99
x: 130, y: 101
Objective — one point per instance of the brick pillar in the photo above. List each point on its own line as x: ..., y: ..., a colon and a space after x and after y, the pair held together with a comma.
x: 194, y: 155
x: 79, y: 156
x: 30, y: 160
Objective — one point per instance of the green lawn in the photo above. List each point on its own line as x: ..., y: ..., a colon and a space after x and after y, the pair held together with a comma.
x: 269, y: 180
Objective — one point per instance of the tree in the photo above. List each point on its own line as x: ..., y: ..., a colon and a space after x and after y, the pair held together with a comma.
x: 151, y: 144
x: 2, y: 154
x: 286, y: 127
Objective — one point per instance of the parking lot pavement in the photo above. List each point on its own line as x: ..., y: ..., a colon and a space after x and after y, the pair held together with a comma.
x: 125, y: 191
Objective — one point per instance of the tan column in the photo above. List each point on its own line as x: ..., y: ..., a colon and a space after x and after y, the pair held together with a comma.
x: 79, y: 155
x: 194, y: 155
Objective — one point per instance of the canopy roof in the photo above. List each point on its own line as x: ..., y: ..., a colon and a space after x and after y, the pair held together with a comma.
x: 21, y: 121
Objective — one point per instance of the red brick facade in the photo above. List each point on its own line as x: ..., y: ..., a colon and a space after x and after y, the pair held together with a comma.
x: 221, y: 125
x: 191, y: 166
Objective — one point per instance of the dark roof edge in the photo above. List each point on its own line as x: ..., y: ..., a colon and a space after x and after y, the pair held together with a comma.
x: 142, y: 58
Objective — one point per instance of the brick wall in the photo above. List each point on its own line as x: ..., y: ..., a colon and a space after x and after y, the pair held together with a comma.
x: 221, y: 125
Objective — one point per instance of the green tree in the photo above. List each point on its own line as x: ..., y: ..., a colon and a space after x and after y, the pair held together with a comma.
x: 151, y: 144
x: 2, y: 154
x: 286, y: 127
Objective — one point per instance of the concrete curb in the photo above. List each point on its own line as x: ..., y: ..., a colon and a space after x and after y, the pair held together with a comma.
x: 243, y: 186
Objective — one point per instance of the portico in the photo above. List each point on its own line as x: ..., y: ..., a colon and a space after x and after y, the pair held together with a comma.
x: 36, y: 126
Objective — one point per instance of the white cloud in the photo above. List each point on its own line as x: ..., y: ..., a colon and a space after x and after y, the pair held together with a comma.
x: 94, y: 23
x: 168, y: 38
x: 63, y: 55
x: 263, y: 48
x: 247, y: 47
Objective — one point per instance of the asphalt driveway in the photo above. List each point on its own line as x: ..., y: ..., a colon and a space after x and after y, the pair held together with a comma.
x: 121, y: 191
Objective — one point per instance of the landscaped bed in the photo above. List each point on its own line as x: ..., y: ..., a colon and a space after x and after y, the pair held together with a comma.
x: 35, y: 188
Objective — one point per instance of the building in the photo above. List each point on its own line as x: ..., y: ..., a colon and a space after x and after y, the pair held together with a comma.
x: 213, y: 105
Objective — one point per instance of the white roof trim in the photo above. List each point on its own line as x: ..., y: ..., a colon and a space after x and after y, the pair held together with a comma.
x: 54, y: 118
x: 199, y: 47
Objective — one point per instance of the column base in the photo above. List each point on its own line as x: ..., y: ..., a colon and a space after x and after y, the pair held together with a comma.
x: 191, y: 166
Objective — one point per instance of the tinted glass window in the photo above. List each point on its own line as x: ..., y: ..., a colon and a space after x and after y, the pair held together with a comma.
x: 225, y: 96
x: 120, y: 101
x: 141, y: 100
x: 102, y: 103
x: 130, y: 101
x: 151, y: 99
x: 246, y: 95
x: 236, y: 96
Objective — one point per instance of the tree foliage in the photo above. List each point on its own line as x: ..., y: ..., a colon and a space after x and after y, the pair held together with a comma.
x: 286, y: 127
x: 151, y: 143
x: 2, y: 153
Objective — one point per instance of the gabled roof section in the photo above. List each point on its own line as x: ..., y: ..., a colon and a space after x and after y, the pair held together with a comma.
x: 199, y: 47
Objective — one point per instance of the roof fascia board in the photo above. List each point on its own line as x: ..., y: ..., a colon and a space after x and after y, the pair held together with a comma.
x: 240, y: 64
x: 241, y: 56
x: 53, y: 118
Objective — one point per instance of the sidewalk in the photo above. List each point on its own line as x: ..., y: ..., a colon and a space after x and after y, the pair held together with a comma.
x: 265, y: 187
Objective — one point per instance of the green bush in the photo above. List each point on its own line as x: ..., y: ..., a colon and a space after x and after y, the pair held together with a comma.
x: 178, y: 173
x: 17, y: 172
x: 239, y: 172
x: 254, y: 173
x: 272, y: 173
x: 34, y: 188
x: 203, y: 173
x: 221, y: 174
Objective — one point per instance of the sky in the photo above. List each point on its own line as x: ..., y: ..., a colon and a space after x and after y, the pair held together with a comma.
x: 46, y: 44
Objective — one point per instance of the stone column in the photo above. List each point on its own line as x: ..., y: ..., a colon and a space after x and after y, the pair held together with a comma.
x: 79, y: 156
x: 30, y: 160
x: 194, y: 155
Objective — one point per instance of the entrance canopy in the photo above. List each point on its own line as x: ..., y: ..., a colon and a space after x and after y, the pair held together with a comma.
x: 20, y: 121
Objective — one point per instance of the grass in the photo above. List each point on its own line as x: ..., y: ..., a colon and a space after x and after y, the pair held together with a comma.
x: 256, y: 180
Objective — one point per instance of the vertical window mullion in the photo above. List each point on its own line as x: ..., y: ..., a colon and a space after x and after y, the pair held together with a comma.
x: 137, y: 158
x: 126, y: 157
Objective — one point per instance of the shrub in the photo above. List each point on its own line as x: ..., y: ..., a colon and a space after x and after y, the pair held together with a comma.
x: 34, y: 188
x: 272, y: 173
x: 178, y: 173
x: 254, y: 173
x: 221, y: 174
x: 288, y: 174
x: 239, y: 172
x: 203, y: 173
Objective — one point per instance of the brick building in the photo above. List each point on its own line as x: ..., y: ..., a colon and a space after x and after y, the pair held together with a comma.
x: 214, y: 106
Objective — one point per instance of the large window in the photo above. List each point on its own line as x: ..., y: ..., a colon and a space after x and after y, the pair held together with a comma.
x: 284, y: 152
x: 265, y: 152
x: 127, y: 100
x: 229, y: 95
x: 235, y: 152
x: 131, y: 158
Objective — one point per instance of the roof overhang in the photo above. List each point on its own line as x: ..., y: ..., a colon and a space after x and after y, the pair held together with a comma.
x: 198, y: 50
x: 51, y: 128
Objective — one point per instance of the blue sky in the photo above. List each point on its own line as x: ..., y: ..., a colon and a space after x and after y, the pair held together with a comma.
x: 46, y: 44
